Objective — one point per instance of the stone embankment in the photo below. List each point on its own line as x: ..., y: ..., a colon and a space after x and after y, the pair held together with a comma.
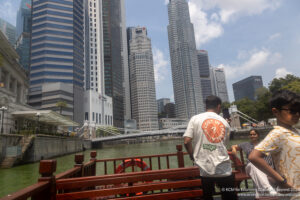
x: 18, y: 149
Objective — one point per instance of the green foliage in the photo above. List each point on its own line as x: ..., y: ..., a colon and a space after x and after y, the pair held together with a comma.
x: 61, y: 105
x: 259, y: 109
x: 262, y: 108
x: 107, y: 131
x: 246, y: 106
x: 293, y: 86
x: 225, y: 105
x: 280, y: 83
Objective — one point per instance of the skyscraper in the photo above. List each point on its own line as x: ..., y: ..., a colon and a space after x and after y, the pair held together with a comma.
x: 161, y: 104
x: 113, y: 26
x: 124, y: 57
x: 247, y: 87
x: 57, y: 56
x: 218, y: 80
x: 97, y: 105
x: 23, y: 33
x: 185, y: 70
x: 204, y: 71
x: 142, y: 85
x: 9, y: 31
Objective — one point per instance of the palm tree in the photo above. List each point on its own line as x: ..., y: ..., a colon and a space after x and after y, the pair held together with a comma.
x: 61, y: 105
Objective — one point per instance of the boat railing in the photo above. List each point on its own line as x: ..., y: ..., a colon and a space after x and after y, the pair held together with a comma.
x: 45, y: 189
x: 142, y: 163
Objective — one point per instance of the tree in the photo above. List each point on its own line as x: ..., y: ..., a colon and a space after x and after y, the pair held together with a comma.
x: 246, y: 106
x: 293, y: 86
x: 225, y: 105
x: 280, y: 83
x: 262, y: 108
x: 61, y: 105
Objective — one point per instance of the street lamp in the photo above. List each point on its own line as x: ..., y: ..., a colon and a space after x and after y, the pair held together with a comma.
x: 2, y: 118
x: 38, y: 119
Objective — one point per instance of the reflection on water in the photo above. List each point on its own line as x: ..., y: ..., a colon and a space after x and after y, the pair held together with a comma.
x: 19, y: 177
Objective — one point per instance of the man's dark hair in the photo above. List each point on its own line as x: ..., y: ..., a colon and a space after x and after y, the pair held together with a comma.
x: 285, y: 97
x: 212, y: 102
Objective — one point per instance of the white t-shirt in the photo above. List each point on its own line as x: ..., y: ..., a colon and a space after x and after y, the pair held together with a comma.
x: 210, y: 133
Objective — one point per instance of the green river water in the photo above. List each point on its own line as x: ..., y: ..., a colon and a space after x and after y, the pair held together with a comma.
x: 18, y: 177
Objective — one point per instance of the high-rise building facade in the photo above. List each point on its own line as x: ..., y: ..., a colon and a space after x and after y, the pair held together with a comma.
x: 170, y: 110
x: 247, y: 87
x: 142, y: 85
x: 24, y: 33
x: 113, y: 26
x: 203, y: 63
x: 218, y: 81
x: 125, y: 66
x: 184, y: 65
x: 161, y: 104
x: 57, y: 56
x: 9, y: 31
x: 97, y: 105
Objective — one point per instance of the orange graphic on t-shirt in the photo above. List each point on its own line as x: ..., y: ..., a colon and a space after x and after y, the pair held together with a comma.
x: 214, y: 130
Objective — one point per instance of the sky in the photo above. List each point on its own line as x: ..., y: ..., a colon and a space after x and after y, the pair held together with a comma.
x: 246, y: 37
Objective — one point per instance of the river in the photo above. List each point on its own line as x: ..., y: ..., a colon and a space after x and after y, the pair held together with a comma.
x: 18, y: 177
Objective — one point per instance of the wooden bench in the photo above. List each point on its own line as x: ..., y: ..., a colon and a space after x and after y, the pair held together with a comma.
x: 238, y: 165
x: 180, y: 183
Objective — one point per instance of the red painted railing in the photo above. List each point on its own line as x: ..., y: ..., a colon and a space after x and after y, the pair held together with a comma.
x: 45, y: 189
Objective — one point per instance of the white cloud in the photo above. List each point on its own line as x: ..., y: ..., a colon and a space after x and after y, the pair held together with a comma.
x: 281, y: 72
x: 166, y: 2
x: 257, y: 59
x: 205, y: 30
x: 8, y: 11
x: 160, y: 65
x: 274, y: 36
x: 210, y: 27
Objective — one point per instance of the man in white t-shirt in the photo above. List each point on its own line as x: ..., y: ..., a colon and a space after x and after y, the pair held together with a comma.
x: 208, y: 132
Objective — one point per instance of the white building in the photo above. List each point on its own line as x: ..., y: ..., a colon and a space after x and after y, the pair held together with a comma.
x: 143, y: 97
x: 165, y: 123
x: 97, y: 105
x: 13, y: 85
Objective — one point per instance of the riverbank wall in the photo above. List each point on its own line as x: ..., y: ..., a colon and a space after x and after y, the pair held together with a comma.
x: 40, y: 147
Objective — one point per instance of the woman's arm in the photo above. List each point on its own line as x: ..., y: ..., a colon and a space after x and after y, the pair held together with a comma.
x: 257, y: 158
x: 234, y: 148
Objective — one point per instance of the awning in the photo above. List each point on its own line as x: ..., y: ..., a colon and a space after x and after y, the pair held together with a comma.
x: 45, y: 116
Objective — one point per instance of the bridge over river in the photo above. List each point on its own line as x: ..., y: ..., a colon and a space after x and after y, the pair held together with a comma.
x: 172, y: 132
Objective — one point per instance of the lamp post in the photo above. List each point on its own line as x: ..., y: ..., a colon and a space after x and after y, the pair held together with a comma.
x: 38, y: 119
x: 2, y: 117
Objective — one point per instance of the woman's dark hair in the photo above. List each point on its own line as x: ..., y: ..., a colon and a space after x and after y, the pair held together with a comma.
x: 255, y: 130
x: 212, y: 102
x: 285, y: 97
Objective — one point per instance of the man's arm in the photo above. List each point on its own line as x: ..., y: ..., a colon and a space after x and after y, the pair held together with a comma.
x: 189, y: 147
x: 257, y: 158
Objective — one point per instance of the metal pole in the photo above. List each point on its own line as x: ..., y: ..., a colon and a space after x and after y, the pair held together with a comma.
x: 2, y: 120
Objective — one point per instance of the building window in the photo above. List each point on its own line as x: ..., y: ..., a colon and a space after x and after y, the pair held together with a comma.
x: 93, y: 116
x: 86, y: 116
